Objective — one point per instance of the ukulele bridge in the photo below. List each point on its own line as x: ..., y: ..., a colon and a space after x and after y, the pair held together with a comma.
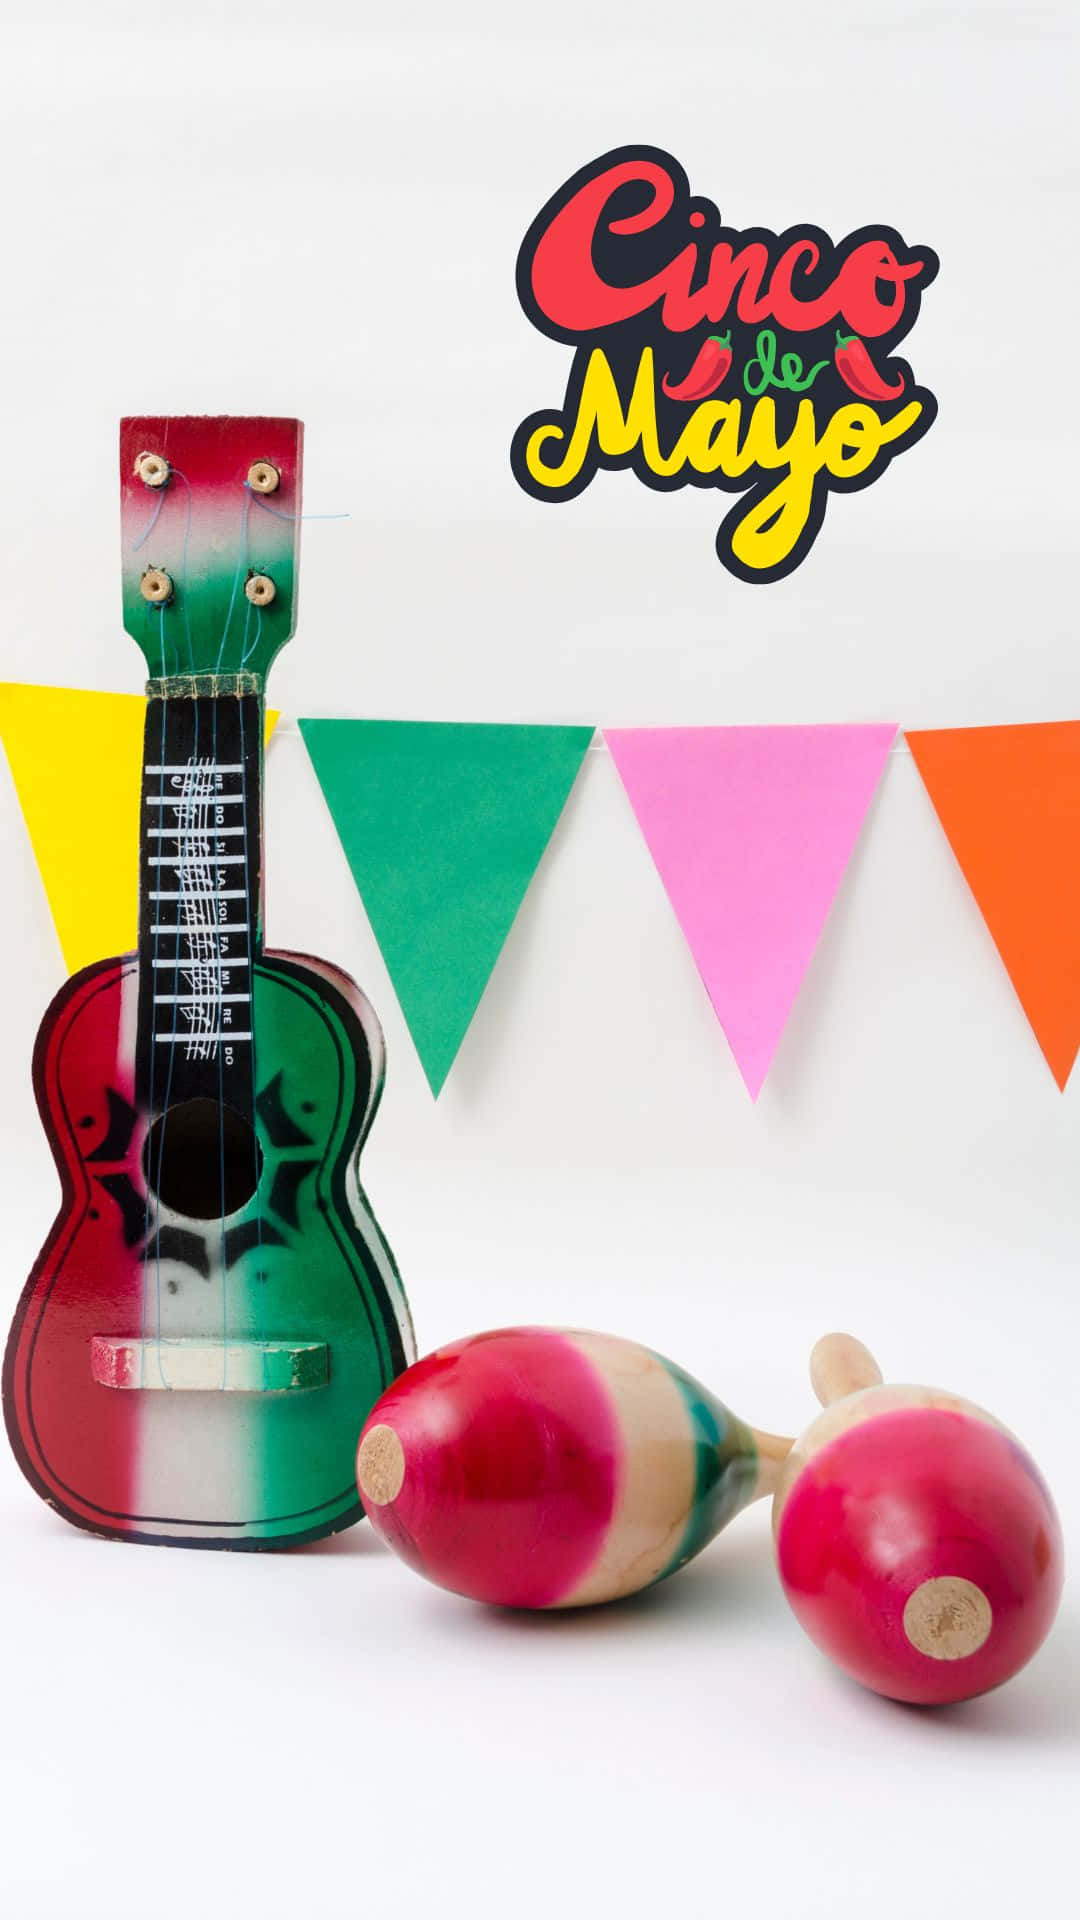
x: 209, y: 1366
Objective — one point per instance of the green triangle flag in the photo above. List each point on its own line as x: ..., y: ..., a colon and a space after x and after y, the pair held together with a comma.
x: 443, y: 825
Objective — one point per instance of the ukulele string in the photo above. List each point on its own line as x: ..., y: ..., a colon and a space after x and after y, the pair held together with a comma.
x: 174, y: 474
x: 240, y: 565
x: 236, y: 579
x: 203, y: 935
x: 250, y: 907
x: 254, y: 647
x: 186, y: 826
x: 184, y: 570
x: 183, y: 840
x: 145, y: 1261
x: 252, y: 912
x: 153, y: 1044
x: 247, y: 649
x: 217, y: 965
x: 278, y: 515
x: 152, y: 522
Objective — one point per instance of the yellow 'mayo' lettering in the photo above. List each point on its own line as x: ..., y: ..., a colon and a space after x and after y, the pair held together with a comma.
x: 718, y: 438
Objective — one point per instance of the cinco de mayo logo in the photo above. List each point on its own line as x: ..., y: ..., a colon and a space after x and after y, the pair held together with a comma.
x: 761, y: 363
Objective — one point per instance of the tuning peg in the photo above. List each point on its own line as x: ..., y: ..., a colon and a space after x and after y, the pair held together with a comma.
x: 156, y: 586
x: 152, y: 469
x: 260, y: 589
x: 263, y: 477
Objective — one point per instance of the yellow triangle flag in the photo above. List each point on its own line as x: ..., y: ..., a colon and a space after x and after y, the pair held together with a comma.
x: 76, y: 760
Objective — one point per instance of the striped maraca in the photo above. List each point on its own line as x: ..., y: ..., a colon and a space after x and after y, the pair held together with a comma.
x: 916, y: 1540
x: 535, y: 1468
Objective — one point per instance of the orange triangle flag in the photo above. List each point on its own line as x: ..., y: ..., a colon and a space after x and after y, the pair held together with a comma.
x: 1009, y: 801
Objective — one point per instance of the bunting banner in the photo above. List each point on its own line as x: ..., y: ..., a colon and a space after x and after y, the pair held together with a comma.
x: 443, y: 826
x: 76, y: 758
x: 1008, y: 799
x: 751, y: 830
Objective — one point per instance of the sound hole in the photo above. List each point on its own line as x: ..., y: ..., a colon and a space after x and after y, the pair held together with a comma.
x: 202, y: 1159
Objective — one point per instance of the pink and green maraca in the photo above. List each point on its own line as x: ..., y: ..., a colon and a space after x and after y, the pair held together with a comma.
x: 916, y: 1540
x: 533, y: 1468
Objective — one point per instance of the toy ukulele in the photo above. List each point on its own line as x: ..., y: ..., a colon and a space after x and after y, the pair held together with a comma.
x: 215, y: 1309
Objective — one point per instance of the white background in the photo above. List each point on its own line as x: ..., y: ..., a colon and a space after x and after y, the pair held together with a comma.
x: 316, y: 209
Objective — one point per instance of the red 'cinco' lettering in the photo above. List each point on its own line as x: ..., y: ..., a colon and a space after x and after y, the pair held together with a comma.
x: 572, y: 295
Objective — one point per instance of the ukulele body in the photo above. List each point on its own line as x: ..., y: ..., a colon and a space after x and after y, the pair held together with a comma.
x: 201, y: 1381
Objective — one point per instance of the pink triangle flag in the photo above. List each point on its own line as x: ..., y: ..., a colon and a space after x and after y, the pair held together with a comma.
x: 751, y: 829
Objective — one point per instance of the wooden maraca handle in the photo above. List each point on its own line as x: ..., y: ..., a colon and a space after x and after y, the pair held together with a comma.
x: 840, y: 1365
x: 772, y: 1450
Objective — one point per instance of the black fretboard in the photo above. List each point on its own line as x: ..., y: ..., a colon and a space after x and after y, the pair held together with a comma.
x: 200, y: 891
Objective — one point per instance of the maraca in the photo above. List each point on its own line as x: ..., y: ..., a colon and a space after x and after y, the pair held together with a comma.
x: 916, y: 1540
x: 536, y: 1468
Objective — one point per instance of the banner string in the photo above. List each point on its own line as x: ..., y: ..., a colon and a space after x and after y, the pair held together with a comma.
x: 597, y: 745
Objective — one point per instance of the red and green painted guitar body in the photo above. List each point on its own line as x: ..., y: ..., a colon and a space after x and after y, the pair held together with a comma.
x: 215, y: 1310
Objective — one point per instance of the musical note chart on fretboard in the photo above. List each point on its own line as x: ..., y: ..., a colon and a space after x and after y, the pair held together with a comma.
x: 200, y: 906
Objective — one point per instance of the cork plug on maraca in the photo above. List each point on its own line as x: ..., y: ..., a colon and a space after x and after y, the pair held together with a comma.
x: 535, y: 1468
x: 916, y: 1540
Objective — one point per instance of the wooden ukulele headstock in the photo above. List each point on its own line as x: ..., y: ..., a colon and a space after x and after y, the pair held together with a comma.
x: 210, y: 517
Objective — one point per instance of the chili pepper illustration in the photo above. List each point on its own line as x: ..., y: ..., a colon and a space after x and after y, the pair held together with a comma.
x: 710, y: 367
x: 855, y: 366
